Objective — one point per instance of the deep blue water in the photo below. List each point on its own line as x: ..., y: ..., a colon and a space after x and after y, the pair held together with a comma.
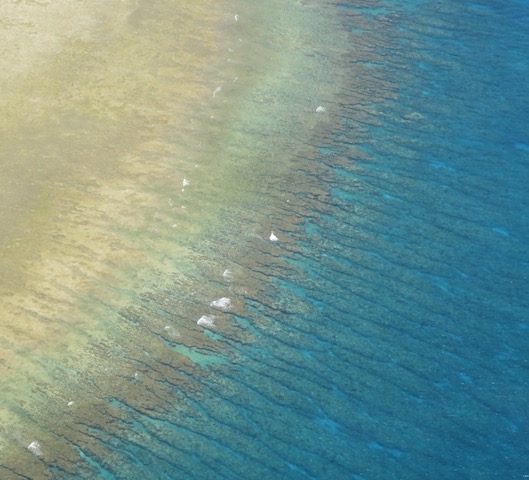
x: 389, y: 334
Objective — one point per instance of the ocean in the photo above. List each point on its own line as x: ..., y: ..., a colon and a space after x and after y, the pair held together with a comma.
x: 264, y: 240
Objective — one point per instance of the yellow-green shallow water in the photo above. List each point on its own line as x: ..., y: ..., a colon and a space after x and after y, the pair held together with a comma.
x: 138, y: 138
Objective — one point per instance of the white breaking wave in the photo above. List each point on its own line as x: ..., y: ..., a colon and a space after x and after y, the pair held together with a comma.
x: 35, y: 448
x: 171, y: 331
x: 206, y: 321
x: 222, y: 303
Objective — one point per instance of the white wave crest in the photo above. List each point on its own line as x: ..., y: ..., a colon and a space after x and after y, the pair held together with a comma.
x: 207, y: 321
x: 35, y: 448
x: 222, y: 303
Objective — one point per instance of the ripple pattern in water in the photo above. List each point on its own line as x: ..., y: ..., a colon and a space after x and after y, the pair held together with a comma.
x: 381, y: 336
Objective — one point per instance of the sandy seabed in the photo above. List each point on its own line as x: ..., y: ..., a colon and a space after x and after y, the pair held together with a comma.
x: 130, y: 131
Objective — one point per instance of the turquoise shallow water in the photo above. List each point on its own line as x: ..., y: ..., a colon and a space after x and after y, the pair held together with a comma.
x: 384, y: 335
x: 392, y: 344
